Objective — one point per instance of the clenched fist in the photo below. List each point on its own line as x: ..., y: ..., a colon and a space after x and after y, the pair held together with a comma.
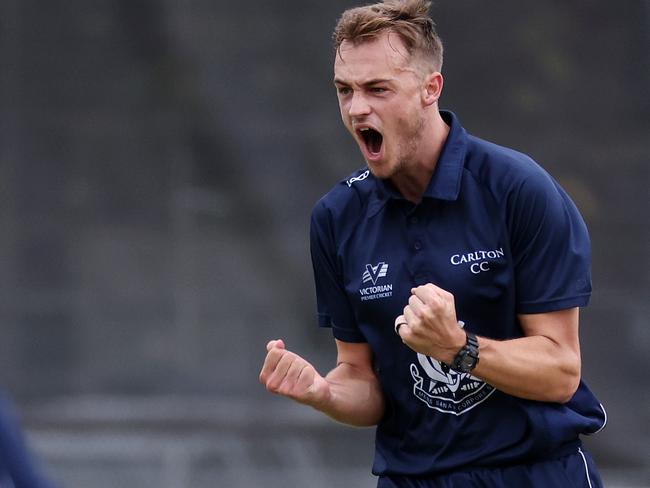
x: 429, y: 324
x: 287, y: 374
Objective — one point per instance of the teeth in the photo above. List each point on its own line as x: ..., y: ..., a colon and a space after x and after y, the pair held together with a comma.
x: 364, y: 129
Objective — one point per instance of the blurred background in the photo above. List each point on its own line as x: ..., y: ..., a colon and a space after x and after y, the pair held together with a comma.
x: 158, y: 165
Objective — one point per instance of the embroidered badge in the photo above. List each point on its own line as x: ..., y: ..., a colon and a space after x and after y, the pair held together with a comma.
x: 446, y: 390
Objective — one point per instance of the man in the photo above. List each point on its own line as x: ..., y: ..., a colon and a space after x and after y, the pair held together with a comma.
x: 450, y: 271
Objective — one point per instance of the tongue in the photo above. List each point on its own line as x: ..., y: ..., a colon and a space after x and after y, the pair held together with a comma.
x: 374, y: 141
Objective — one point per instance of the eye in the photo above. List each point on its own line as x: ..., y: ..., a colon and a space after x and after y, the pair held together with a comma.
x: 378, y: 89
x: 343, y: 90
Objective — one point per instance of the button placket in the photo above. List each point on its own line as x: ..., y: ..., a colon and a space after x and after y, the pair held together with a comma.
x: 415, y: 229
x: 415, y: 240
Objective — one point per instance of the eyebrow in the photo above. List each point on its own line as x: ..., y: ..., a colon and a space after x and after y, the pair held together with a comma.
x: 373, y: 81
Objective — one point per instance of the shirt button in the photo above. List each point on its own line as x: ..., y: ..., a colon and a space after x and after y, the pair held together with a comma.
x: 417, y: 245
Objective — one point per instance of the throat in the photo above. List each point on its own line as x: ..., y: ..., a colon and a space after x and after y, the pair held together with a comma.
x: 412, y: 186
x: 373, y: 140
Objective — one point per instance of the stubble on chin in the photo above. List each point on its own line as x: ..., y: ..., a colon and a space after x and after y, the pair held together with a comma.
x: 407, y: 149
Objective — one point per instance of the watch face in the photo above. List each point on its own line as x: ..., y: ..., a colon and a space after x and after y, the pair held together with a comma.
x: 467, y: 363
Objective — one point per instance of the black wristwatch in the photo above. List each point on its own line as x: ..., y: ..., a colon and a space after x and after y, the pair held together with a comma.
x: 467, y: 358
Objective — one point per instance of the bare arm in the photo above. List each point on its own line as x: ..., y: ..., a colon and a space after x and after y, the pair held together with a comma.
x: 350, y: 393
x: 544, y: 365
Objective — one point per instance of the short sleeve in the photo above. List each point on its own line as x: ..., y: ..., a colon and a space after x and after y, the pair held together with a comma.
x: 333, y: 305
x: 550, y: 246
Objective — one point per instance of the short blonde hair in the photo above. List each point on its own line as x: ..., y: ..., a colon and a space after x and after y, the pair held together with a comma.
x: 409, y: 19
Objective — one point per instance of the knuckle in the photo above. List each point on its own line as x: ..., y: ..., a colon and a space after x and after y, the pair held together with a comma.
x: 273, y: 382
x: 437, y: 303
x: 275, y: 385
x: 427, y: 314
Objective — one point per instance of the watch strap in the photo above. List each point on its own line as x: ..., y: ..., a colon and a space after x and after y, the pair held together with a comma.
x: 468, y: 357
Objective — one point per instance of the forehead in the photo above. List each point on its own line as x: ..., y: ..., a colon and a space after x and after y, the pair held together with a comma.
x: 382, y: 56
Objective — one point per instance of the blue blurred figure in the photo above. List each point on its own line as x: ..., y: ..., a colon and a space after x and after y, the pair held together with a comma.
x: 18, y: 469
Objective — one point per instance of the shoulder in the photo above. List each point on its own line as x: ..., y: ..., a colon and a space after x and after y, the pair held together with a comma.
x: 524, y: 191
x: 505, y: 172
x: 533, y: 202
x: 488, y: 160
x: 337, y: 214
x: 350, y: 195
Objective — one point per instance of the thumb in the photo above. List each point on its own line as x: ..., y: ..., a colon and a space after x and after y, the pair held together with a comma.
x: 279, y: 343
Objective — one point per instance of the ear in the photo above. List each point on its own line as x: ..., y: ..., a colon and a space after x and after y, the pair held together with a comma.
x: 432, y: 88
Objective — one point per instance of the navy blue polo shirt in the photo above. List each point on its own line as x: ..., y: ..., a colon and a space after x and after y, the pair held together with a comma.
x: 17, y: 466
x: 500, y: 234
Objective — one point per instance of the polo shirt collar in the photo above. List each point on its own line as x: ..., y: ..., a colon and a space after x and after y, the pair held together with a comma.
x: 446, y: 179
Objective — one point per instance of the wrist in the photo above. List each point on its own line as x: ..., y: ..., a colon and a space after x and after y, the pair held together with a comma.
x: 467, y: 357
x: 320, y: 397
x: 458, y: 342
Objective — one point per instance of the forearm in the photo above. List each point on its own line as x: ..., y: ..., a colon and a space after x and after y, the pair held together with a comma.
x: 535, y: 368
x: 355, y: 396
x: 542, y: 365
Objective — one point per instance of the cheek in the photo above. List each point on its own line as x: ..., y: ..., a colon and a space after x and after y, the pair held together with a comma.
x: 399, y: 128
x: 408, y: 121
x: 402, y: 117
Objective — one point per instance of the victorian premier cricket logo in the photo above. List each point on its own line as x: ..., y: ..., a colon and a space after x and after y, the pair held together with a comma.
x: 446, y: 390
x: 371, y: 276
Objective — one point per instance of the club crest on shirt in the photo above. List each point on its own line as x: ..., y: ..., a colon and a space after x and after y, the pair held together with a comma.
x: 446, y: 390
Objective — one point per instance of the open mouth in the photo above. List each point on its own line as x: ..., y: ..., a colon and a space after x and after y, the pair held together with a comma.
x: 372, y: 139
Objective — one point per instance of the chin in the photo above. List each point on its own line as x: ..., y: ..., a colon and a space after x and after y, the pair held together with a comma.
x: 382, y: 170
x: 382, y: 173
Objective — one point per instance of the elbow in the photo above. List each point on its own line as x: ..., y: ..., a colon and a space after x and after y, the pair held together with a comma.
x: 376, y: 408
x: 567, y: 390
x: 568, y: 384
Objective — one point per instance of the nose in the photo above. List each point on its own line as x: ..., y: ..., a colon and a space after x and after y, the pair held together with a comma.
x: 359, y: 105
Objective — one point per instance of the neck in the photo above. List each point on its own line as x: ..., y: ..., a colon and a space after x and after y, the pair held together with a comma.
x: 414, y: 179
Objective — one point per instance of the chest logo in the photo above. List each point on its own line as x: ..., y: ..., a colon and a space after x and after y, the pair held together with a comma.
x: 477, y: 261
x: 370, y: 277
x: 373, y: 273
x: 446, y: 390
